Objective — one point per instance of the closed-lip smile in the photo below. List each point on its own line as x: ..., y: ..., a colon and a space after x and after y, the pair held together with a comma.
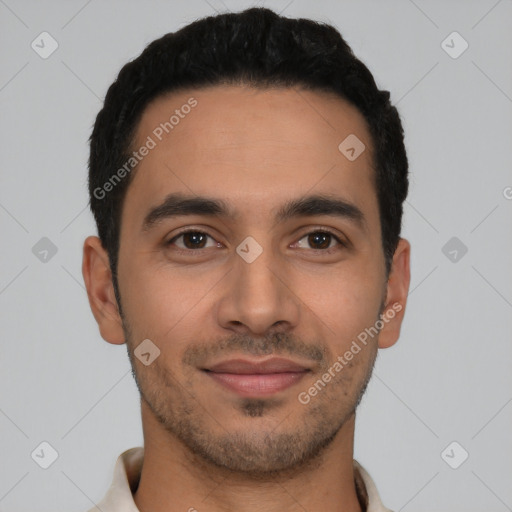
x: 253, y: 378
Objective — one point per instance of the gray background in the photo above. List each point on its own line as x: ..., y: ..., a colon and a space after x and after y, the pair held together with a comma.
x: 448, y: 378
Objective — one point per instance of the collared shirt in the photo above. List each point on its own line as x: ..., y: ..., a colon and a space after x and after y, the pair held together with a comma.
x: 127, y: 471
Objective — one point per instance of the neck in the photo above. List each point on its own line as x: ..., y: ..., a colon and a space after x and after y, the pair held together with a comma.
x: 173, y: 479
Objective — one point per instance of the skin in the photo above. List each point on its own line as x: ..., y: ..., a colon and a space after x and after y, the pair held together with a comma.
x: 206, y: 447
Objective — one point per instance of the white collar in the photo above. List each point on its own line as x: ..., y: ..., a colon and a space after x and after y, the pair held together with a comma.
x: 127, y: 471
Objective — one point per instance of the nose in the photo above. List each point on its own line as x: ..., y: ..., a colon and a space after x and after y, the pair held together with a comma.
x: 258, y: 297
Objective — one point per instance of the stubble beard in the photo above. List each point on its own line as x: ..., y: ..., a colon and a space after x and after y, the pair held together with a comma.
x: 267, y: 450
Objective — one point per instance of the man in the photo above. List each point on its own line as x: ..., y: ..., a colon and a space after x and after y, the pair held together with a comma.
x: 247, y: 179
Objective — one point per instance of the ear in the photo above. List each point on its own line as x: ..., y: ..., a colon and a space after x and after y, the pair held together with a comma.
x: 100, y: 290
x: 396, y: 297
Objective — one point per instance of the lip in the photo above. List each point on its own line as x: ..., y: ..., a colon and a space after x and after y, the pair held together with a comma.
x: 244, y: 366
x: 257, y: 378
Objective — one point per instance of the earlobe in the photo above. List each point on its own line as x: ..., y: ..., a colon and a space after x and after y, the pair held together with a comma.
x: 100, y: 291
x: 397, y: 291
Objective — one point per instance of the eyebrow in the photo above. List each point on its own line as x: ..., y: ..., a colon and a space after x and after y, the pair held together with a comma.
x: 310, y: 206
x: 178, y: 204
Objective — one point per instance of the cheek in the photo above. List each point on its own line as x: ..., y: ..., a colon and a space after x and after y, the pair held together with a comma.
x: 163, y: 303
x: 346, y: 299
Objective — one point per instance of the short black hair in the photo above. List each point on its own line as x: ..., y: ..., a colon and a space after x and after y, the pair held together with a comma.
x: 254, y: 47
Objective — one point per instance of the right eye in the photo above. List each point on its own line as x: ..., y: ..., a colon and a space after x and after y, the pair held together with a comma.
x: 192, y: 240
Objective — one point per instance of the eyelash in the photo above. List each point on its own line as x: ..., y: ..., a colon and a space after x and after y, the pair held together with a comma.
x: 315, y: 231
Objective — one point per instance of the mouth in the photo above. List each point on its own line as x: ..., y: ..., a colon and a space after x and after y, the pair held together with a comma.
x: 256, y: 378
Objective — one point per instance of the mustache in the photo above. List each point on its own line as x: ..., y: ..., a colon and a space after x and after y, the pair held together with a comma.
x: 282, y: 344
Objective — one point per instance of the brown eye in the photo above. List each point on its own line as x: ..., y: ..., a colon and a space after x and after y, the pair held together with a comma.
x: 191, y: 240
x: 319, y: 240
x: 194, y: 240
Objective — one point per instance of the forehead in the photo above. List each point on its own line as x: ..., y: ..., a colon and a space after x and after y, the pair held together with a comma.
x: 250, y: 146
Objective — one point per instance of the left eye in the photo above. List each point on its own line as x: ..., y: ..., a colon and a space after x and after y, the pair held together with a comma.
x: 320, y: 240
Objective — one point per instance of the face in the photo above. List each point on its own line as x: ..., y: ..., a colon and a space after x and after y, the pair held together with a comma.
x: 249, y: 237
